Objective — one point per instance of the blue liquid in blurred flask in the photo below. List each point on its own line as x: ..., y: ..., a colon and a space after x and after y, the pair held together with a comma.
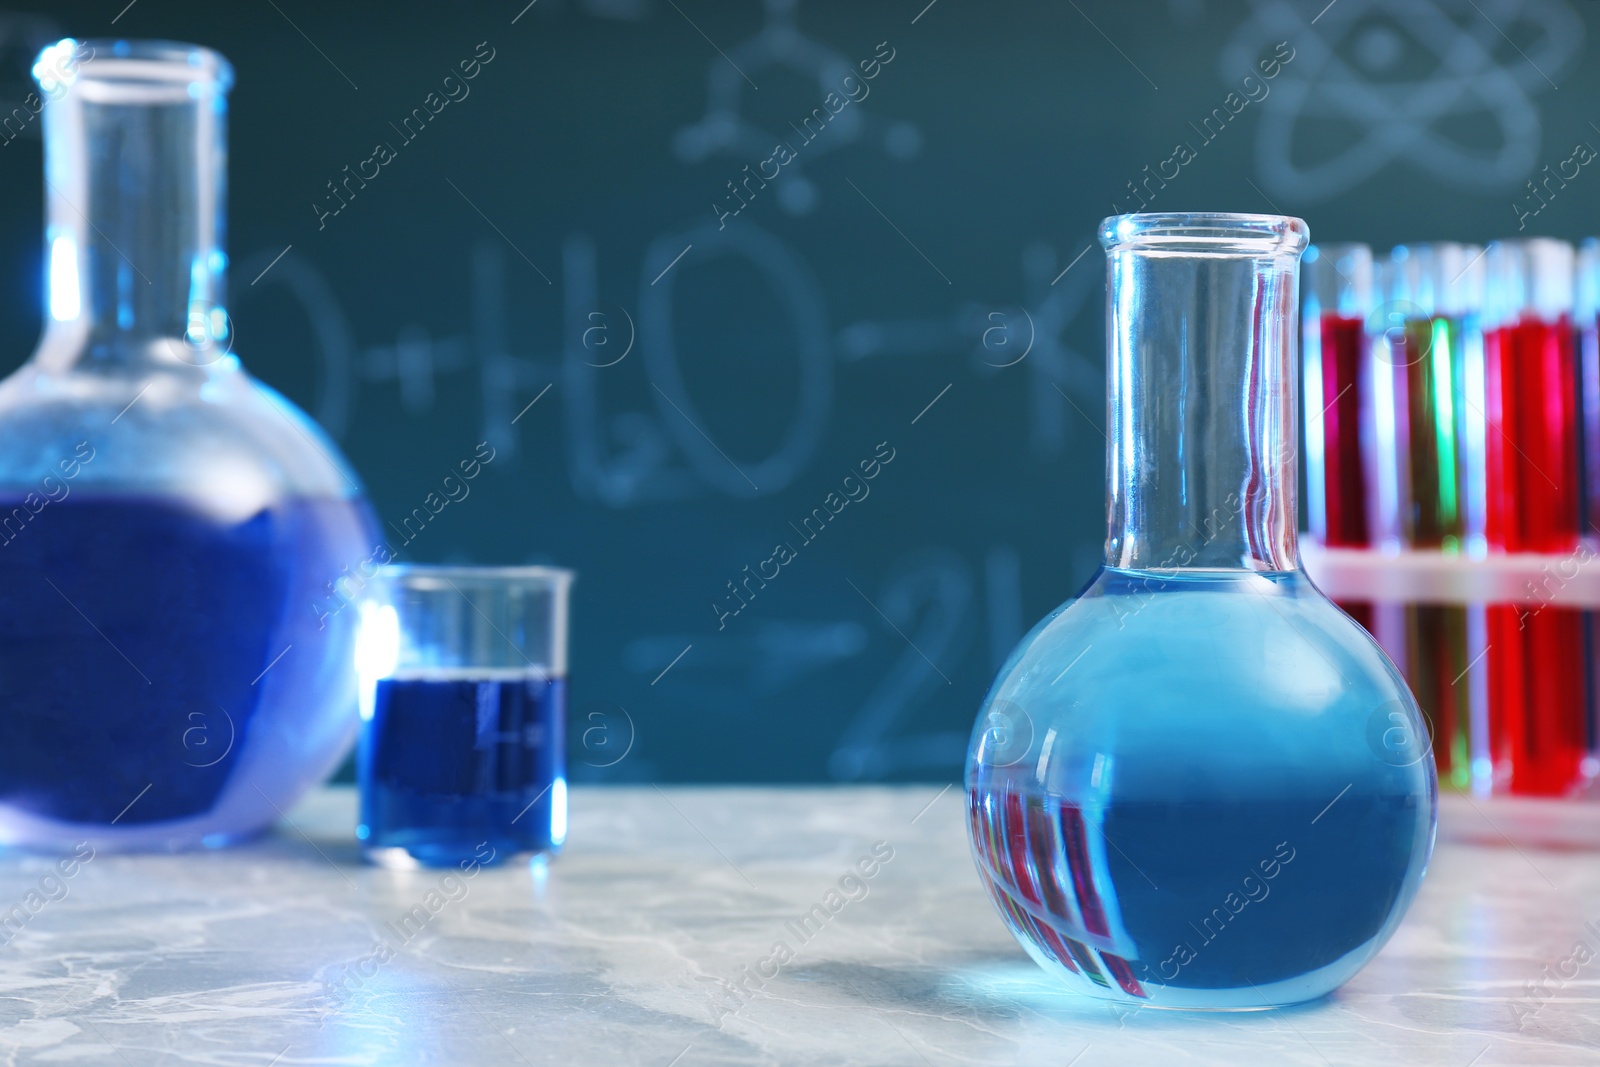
x: 1200, y: 784
x: 176, y: 668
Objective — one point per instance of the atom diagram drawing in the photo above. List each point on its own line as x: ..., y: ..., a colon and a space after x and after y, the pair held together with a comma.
x: 724, y: 131
x: 1386, y: 117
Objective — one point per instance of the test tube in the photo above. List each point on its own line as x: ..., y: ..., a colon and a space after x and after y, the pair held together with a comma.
x: 463, y: 743
x: 1537, y: 703
x: 1587, y: 300
x: 1337, y: 282
x: 1431, y: 291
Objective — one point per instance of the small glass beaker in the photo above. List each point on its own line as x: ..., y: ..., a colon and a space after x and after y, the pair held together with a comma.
x: 463, y: 741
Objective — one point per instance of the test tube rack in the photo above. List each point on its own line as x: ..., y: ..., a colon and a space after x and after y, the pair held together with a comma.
x: 1399, y: 576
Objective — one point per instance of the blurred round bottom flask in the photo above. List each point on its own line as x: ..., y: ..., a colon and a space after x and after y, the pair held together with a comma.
x: 464, y: 695
x: 174, y: 655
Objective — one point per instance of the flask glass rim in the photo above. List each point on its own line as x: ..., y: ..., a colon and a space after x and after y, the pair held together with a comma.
x: 433, y: 576
x: 1205, y: 233
x: 105, y: 66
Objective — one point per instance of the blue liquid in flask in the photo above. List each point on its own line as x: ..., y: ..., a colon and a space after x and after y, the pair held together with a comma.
x: 457, y: 758
x: 1200, y: 784
x: 1200, y: 790
x: 153, y: 652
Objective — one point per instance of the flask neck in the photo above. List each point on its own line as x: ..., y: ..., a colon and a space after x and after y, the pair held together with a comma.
x: 1201, y: 456
x: 135, y: 160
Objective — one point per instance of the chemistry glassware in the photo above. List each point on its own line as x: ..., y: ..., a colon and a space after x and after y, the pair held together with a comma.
x: 1338, y: 300
x: 1338, y: 388
x: 176, y: 671
x: 464, y: 698
x: 1430, y: 373
x: 1200, y: 784
x: 1586, y: 297
x: 1536, y: 655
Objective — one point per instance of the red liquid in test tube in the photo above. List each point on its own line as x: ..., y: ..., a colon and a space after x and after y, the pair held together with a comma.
x: 1336, y: 387
x: 1344, y: 346
x: 1588, y: 316
x: 1538, y: 733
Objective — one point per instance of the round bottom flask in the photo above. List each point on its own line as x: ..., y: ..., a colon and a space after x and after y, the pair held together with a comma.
x: 176, y: 540
x: 1199, y: 784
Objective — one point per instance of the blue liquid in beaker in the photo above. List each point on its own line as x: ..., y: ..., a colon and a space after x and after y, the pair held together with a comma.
x: 455, y: 759
x: 1201, y: 791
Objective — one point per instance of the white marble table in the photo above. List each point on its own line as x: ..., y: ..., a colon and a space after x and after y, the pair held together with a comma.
x: 627, y: 949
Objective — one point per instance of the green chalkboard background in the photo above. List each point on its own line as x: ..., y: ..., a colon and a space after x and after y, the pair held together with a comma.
x: 919, y: 280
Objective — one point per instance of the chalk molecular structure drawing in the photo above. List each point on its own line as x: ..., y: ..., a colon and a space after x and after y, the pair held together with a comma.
x: 1399, y: 118
x: 724, y: 130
